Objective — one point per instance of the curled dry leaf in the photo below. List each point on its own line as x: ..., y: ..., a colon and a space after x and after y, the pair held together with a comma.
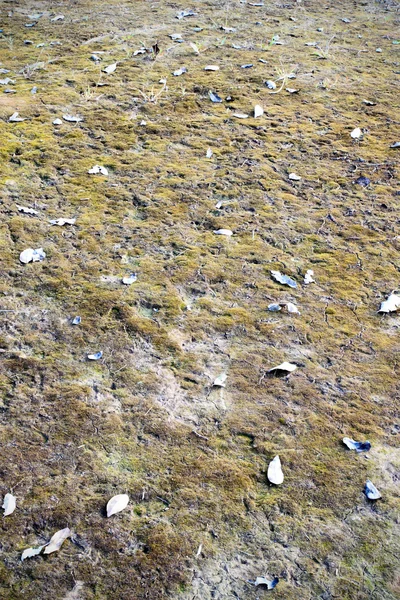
x: 358, y: 446
x: 116, y: 504
x: 284, y: 279
x: 391, y: 304
x: 227, y: 232
x: 57, y: 540
x: 371, y: 491
x: 275, y: 473
x: 9, y: 504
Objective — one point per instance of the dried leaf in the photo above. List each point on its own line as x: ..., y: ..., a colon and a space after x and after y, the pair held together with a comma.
x: 220, y: 380
x: 258, y: 111
x: 284, y: 279
x: 30, y: 255
x: 275, y: 473
x: 96, y: 356
x: 98, y: 169
x: 57, y: 540
x: 116, y: 504
x: 9, y: 504
x: 110, y: 69
x: 227, y: 232
x: 391, y: 304
x: 358, y: 446
x: 371, y: 491
x: 29, y: 552
x: 62, y: 222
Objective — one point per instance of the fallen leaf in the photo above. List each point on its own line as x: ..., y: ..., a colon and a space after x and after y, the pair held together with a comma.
x: 96, y: 356
x: 98, y: 169
x: 391, y: 304
x: 284, y: 279
x: 9, y: 504
x: 275, y: 473
x: 371, y: 491
x: 31, y: 255
x: 358, y: 446
x: 57, y: 540
x: 29, y: 552
x: 227, y: 232
x: 116, y: 504
x: 258, y: 111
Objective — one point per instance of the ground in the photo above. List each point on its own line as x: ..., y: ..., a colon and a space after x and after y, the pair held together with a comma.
x: 145, y: 420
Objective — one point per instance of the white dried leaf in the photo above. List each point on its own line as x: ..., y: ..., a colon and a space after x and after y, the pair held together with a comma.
x: 27, y: 210
x: 98, y: 169
x: 220, y: 380
x: 391, y: 304
x: 29, y: 552
x: 283, y: 368
x: 258, y: 111
x: 211, y: 68
x: 209, y: 153
x: 227, y: 232
x: 116, y: 504
x: 356, y: 133
x: 110, y: 69
x: 15, y: 118
x: 62, y: 222
x: 9, y: 504
x: 31, y: 255
x: 308, y: 277
x: 275, y: 473
x: 294, y: 177
x: 72, y: 118
x: 57, y: 540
